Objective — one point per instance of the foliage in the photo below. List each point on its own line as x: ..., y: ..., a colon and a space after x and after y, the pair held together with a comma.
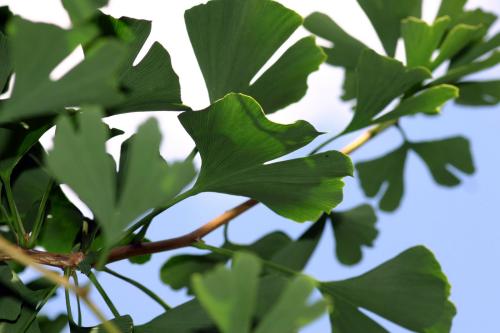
x: 258, y: 287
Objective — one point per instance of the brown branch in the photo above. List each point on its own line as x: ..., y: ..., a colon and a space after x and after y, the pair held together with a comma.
x: 132, y: 250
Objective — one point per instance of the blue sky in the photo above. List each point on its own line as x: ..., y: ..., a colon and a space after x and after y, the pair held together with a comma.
x: 460, y: 225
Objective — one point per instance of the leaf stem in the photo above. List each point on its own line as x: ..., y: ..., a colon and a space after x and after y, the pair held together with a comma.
x: 16, y: 218
x: 79, y: 308
x: 39, y: 306
x: 40, y: 216
x: 139, y: 286
x: 104, y: 296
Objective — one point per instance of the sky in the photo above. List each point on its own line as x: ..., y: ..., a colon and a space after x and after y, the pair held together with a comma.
x: 460, y: 225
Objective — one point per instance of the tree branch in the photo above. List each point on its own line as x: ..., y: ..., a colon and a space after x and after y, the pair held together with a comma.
x: 132, y: 250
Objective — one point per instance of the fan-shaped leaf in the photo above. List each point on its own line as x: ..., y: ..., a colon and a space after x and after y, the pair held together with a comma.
x: 479, y: 93
x: 233, y: 39
x: 235, y: 138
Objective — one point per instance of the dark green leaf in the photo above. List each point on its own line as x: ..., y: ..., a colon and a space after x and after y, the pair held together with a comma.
x: 409, y: 290
x: 479, y: 93
x: 55, y: 325
x: 140, y: 260
x: 381, y: 79
x: 352, y: 230
x: 36, y: 49
x: 346, y: 49
x: 81, y: 11
x: 79, y: 159
x: 386, y: 17
x: 232, y: 161
x: 23, y: 324
x: 451, y: 8
x: 443, y: 154
x: 123, y: 323
x: 389, y: 170
x: 454, y: 74
x: 442, y: 157
x: 475, y: 51
x: 10, y: 306
x: 251, y: 31
x: 421, y: 39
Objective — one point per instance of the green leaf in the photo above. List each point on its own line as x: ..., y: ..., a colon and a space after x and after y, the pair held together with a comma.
x: 421, y: 39
x: 458, y: 38
x: 346, y: 49
x: 10, y: 307
x: 451, y: 8
x: 233, y: 161
x: 79, y: 159
x: 19, y: 325
x: 15, y: 142
x: 229, y: 297
x: 352, y: 230
x: 292, y: 310
x: 388, y: 169
x: 36, y: 49
x: 386, y: 17
x: 251, y: 31
x: 475, y: 51
x: 454, y: 74
x: 384, y: 79
x: 151, y: 84
x: 345, y: 52
x: 443, y: 154
x: 479, y: 93
x: 81, y: 11
x: 428, y: 101
x: 409, y: 290
x: 438, y: 155
x: 177, y: 271
x: 140, y: 260
x: 55, y: 325
x: 123, y: 323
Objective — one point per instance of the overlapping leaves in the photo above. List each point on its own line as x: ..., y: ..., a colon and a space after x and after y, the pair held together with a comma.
x: 234, y: 161
x: 144, y: 181
x: 233, y: 40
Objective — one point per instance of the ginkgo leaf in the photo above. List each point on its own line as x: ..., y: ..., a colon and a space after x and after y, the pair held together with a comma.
x: 36, y: 49
x: 428, y: 101
x: 250, y: 32
x: 345, y: 52
x: 346, y: 49
x: 81, y: 11
x: 5, y: 64
x: 229, y: 297
x: 151, y: 84
x: 438, y: 155
x: 79, y: 159
x: 386, y: 17
x: 352, y: 230
x: 234, y: 161
x: 380, y: 80
x: 292, y: 310
x: 421, y: 39
x: 451, y: 8
x: 55, y: 325
x: 458, y: 38
x: 479, y: 92
x: 409, y: 290
x: 455, y: 73
x: 388, y: 169
x: 475, y: 51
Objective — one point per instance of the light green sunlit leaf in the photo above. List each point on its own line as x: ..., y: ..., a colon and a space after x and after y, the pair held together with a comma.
x: 229, y: 296
x: 146, y: 181
x: 233, y: 39
x: 235, y: 139
x: 421, y: 39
